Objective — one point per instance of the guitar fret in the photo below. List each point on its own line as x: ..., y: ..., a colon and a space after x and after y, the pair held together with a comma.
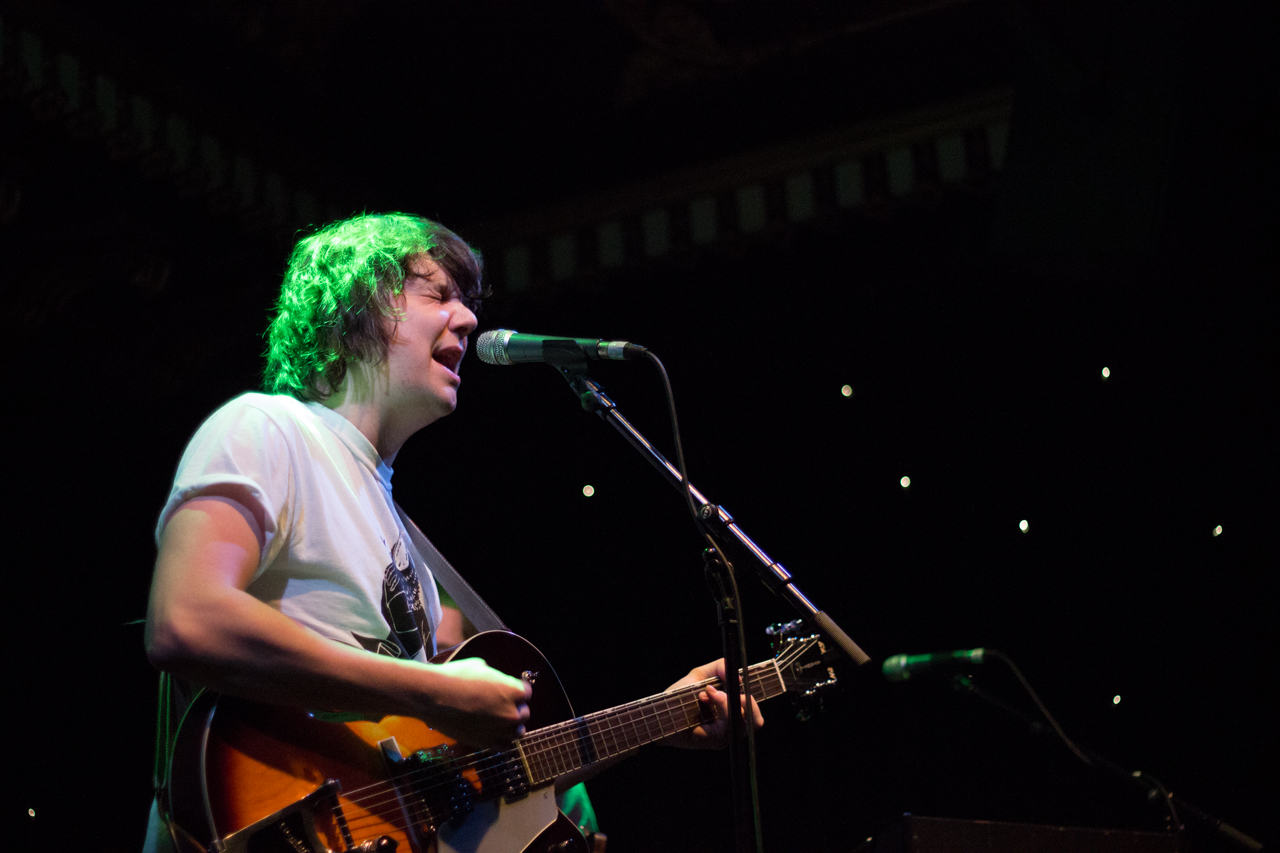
x: 648, y: 730
x: 639, y: 725
x: 621, y: 721
x: 548, y: 764
x: 558, y: 752
x: 681, y: 715
x: 530, y: 759
x: 666, y: 715
x: 564, y: 747
x: 603, y: 736
x: 546, y: 750
x: 631, y: 728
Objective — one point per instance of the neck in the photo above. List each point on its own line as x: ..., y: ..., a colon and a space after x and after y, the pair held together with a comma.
x: 357, y: 399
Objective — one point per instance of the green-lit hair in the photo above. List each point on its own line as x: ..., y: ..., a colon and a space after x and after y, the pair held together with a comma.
x: 338, y: 294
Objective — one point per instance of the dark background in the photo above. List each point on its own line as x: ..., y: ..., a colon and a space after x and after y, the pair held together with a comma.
x: 1130, y: 226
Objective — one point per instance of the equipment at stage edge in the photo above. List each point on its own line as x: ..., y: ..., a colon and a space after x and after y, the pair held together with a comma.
x: 1184, y: 820
x: 913, y: 834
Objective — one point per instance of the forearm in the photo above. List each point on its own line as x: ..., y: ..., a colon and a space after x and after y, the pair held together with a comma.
x: 203, y: 626
x: 228, y: 641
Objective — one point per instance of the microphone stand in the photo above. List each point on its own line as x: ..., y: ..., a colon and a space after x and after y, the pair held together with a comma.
x: 567, y: 357
x: 1181, y: 815
x: 719, y: 574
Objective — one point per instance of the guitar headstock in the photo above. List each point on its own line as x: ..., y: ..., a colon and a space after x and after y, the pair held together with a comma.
x: 803, y: 661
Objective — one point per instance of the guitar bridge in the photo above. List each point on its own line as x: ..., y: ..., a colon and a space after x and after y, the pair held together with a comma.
x: 294, y: 829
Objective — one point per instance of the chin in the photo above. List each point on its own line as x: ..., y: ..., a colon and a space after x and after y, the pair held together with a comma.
x: 446, y: 404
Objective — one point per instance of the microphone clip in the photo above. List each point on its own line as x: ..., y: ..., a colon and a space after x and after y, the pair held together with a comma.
x: 564, y: 355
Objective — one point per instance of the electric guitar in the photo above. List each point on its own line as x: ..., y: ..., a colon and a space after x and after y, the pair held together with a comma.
x: 250, y: 778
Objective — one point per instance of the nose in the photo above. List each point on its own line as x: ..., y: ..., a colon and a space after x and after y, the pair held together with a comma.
x: 463, y: 322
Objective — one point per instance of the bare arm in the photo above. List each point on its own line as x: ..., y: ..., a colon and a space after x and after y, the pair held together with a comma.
x: 202, y: 625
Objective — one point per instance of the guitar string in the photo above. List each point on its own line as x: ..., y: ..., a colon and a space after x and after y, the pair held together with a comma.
x: 567, y: 734
x: 560, y: 731
x: 387, y: 793
x: 476, y: 760
x: 539, y: 742
x: 358, y: 823
x: 541, y: 745
x: 390, y: 796
x: 556, y: 737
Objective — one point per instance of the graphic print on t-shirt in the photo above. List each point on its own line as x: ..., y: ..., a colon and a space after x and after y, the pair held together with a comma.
x: 402, y: 608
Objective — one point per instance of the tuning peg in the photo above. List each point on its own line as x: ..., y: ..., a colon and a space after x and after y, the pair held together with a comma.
x: 779, y: 631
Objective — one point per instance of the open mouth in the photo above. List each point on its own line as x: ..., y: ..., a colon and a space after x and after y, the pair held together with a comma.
x: 450, y: 357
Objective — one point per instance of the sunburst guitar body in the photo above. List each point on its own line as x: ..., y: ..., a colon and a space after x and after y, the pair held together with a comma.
x: 246, y: 777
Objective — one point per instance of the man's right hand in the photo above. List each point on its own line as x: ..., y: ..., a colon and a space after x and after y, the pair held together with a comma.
x: 478, y: 705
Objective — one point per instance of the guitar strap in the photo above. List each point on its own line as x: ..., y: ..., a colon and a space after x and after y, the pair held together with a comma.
x: 483, y: 617
x: 467, y: 599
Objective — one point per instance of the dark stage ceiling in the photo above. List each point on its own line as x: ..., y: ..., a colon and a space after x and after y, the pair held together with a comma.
x: 1035, y: 241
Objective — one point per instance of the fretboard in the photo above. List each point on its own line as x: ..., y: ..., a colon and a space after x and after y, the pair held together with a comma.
x: 564, y: 747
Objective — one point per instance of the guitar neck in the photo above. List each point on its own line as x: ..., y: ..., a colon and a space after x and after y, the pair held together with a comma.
x: 553, y: 751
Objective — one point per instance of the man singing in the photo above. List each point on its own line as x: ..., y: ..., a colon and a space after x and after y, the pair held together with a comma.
x: 284, y: 574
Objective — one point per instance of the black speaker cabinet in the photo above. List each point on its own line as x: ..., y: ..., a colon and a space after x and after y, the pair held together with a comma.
x: 914, y: 834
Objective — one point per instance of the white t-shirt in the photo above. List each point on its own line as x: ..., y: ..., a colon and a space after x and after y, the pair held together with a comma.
x: 335, y: 557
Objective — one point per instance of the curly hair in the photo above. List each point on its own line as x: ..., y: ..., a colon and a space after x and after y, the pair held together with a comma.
x: 339, y: 292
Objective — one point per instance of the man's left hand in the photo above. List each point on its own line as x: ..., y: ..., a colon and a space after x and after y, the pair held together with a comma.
x: 713, y: 735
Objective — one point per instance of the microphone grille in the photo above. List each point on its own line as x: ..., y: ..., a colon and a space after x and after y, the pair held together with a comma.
x: 491, y: 346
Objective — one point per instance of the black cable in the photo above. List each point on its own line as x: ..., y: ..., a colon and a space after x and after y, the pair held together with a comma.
x: 1154, y: 786
x: 1026, y: 685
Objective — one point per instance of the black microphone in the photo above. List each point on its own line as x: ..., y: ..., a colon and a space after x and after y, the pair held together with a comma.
x: 902, y: 667
x: 503, y: 346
